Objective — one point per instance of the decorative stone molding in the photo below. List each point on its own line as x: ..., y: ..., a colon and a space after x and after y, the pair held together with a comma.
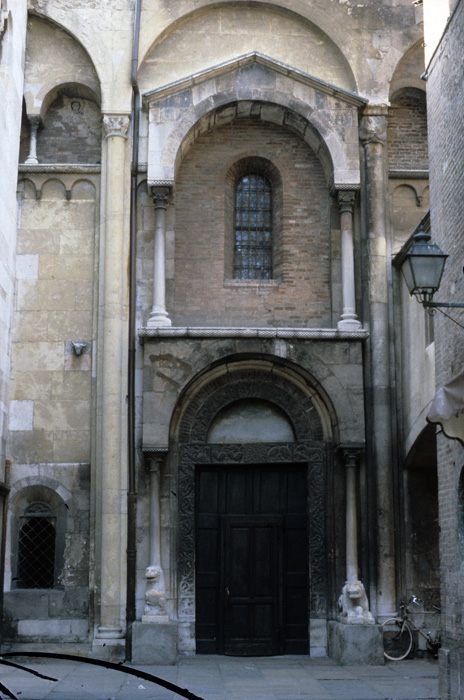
x: 58, y: 168
x: 224, y: 332
x: 160, y: 183
x: 115, y: 125
x: 408, y: 174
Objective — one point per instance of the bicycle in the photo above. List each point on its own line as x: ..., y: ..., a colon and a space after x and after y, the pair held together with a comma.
x: 398, y: 633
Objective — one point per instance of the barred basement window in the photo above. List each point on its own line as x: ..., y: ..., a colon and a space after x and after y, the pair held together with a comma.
x: 253, y: 228
x: 36, y: 547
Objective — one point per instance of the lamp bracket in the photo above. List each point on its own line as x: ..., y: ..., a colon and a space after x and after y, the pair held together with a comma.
x: 442, y: 304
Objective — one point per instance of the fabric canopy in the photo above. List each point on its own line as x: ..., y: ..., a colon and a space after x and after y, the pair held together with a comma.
x: 447, y: 408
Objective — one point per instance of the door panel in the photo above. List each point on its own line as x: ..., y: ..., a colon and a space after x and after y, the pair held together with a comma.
x: 251, y: 560
x: 251, y: 568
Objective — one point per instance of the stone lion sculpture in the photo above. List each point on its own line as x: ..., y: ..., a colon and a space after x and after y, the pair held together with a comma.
x: 155, y: 597
x: 353, y: 604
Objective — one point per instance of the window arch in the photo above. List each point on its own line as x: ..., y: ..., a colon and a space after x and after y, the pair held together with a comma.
x: 36, y: 547
x: 253, y: 227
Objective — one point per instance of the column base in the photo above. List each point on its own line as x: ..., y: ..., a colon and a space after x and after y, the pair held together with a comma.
x: 154, y: 643
x: 159, y: 319
x: 356, y: 644
x: 349, y: 324
x: 30, y: 160
x: 155, y: 619
x: 109, y: 632
x: 109, y: 649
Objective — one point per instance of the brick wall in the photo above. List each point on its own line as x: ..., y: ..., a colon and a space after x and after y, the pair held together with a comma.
x: 71, y: 132
x: 407, y: 131
x: 446, y: 148
x: 299, y: 294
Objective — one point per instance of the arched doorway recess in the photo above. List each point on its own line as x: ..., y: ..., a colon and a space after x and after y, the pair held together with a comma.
x: 225, y: 523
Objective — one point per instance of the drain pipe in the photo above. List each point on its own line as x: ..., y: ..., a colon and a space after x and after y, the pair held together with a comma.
x: 131, y: 492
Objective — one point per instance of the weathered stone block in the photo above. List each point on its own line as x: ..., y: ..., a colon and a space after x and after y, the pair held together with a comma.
x: 31, y: 447
x: 154, y: 643
x: 62, y: 415
x: 23, y: 604
x: 356, y: 644
x: 21, y: 415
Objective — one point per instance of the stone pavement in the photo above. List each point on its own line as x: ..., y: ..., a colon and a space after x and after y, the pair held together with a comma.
x: 228, y: 678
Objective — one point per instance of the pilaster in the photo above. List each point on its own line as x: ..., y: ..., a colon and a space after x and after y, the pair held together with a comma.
x: 112, y: 467
x: 373, y: 136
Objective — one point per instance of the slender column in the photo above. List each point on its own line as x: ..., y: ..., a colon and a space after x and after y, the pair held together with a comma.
x: 34, y: 122
x: 354, y: 605
x: 155, y: 519
x: 159, y: 316
x: 112, y: 452
x: 351, y: 516
x: 348, y: 319
x: 155, y: 595
x: 373, y: 135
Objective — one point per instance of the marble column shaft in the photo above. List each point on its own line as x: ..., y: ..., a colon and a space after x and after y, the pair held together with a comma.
x: 348, y: 319
x: 155, y: 512
x: 34, y: 122
x: 351, y: 457
x: 113, y: 449
x: 159, y: 316
x: 373, y: 134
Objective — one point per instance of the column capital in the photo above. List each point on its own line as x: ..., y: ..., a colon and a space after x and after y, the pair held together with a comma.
x: 346, y: 199
x: 115, y: 125
x: 154, y: 458
x: 373, y: 128
x: 35, y: 120
x: 351, y: 453
x: 160, y: 195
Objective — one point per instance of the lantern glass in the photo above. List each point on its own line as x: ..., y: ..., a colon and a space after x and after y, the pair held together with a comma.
x: 423, y: 266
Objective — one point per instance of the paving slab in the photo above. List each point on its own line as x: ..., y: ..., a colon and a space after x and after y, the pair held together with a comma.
x: 229, y: 678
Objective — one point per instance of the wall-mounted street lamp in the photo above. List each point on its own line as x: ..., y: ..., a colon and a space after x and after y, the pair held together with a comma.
x: 422, y: 269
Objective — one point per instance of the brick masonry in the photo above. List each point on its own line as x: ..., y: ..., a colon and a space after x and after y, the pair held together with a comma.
x: 204, y: 293
x: 446, y: 140
x: 407, y: 131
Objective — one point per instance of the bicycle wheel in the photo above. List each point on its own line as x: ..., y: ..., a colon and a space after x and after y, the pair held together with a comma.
x: 397, y: 639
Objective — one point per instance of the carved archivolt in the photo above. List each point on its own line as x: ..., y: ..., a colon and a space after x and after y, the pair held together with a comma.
x: 228, y: 388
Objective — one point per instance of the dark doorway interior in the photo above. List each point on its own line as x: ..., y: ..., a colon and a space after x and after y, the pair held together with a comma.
x: 252, y: 560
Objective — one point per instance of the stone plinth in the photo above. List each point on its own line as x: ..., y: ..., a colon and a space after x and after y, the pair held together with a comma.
x: 355, y: 644
x: 154, y: 643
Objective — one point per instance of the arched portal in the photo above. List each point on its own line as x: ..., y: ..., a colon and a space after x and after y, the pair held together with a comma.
x: 252, y: 567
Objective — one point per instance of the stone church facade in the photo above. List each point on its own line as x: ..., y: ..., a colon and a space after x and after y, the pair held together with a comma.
x: 213, y: 382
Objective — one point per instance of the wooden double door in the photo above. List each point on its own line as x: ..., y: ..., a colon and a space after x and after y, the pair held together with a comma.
x: 251, y: 560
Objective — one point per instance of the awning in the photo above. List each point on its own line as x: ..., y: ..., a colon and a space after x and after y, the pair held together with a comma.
x: 447, y: 408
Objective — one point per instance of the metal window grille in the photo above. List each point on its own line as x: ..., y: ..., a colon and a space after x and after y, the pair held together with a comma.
x: 36, y: 550
x: 253, y: 228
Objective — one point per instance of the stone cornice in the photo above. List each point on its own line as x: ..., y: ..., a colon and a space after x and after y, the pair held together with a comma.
x: 408, y: 174
x: 245, y: 60
x: 59, y: 168
x: 284, y: 333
